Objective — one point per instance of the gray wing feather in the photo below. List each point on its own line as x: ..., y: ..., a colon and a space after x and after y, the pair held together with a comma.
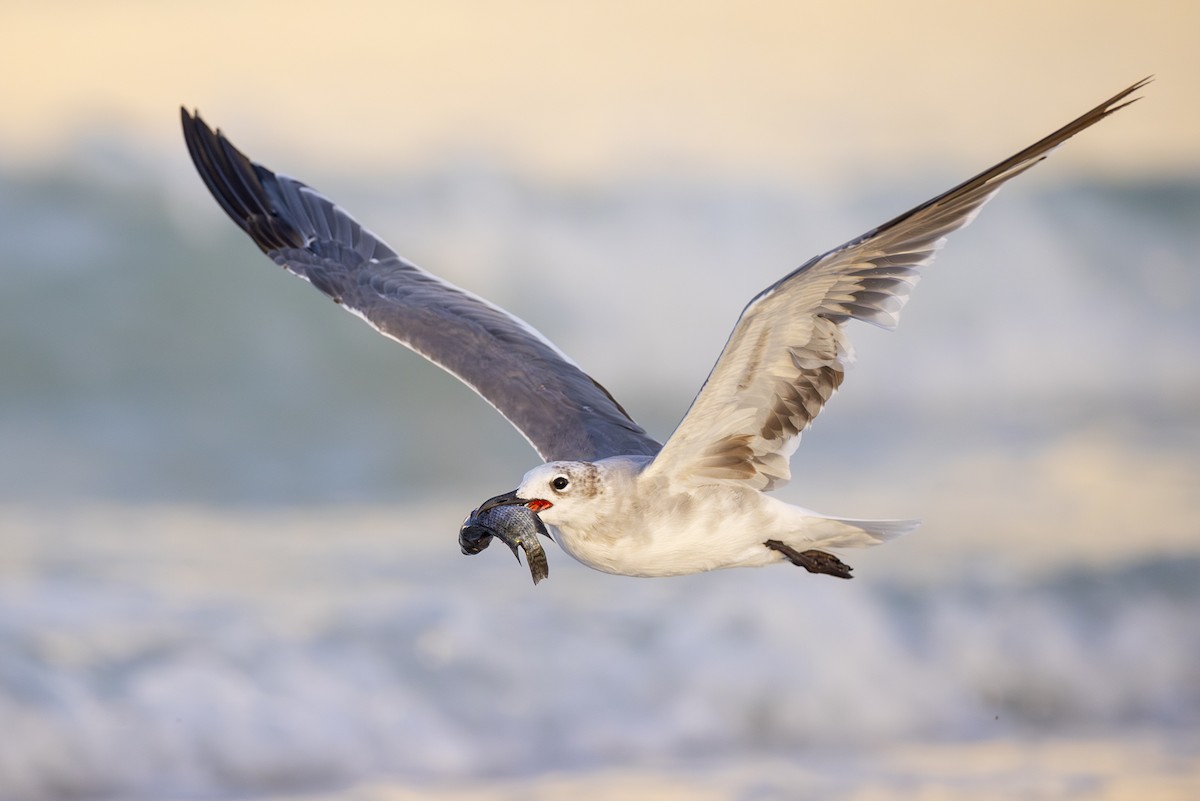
x: 787, y: 354
x: 561, y: 410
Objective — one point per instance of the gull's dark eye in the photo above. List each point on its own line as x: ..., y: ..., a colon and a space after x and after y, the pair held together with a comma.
x: 560, y: 483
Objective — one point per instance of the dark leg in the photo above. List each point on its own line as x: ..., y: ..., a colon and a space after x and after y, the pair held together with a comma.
x: 812, y: 561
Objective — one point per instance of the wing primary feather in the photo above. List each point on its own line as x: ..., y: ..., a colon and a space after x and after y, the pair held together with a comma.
x: 1037, y: 152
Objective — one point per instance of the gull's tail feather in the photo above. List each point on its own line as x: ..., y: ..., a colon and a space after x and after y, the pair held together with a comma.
x: 807, y: 547
x: 840, y: 532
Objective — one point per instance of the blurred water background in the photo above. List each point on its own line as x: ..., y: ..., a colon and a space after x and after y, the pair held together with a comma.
x: 228, y: 510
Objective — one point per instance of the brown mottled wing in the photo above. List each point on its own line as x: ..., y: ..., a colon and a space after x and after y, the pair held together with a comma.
x: 561, y: 411
x: 787, y: 353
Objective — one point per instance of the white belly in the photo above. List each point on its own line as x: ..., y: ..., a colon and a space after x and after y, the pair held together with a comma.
x: 664, y: 544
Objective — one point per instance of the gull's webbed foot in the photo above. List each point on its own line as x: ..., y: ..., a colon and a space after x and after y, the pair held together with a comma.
x: 812, y: 561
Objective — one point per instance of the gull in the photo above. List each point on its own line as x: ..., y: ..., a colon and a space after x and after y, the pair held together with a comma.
x: 613, y: 497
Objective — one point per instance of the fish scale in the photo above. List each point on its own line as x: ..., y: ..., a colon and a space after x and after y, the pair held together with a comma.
x: 515, y: 525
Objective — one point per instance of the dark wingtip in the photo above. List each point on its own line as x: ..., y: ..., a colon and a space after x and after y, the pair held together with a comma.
x: 1114, y: 103
x: 1014, y: 164
x: 236, y: 184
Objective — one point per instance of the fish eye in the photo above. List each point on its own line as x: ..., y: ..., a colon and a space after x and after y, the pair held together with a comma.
x: 559, y: 483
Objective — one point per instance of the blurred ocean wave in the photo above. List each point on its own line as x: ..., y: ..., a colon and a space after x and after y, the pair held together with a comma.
x: 162, y: 653
x: 151, y: 354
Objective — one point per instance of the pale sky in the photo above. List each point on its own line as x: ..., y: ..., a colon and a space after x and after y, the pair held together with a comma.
x: 579, y: 89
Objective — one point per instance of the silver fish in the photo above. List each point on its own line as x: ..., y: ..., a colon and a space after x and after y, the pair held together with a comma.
x: 514, y: 525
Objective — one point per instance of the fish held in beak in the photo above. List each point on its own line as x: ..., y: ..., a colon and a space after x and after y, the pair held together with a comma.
x: 507, y: 518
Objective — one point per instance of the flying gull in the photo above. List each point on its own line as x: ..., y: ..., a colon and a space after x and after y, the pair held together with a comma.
x: 612, y: 496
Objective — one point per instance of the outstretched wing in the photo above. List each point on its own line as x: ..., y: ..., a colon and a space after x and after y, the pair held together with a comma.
x: 787, y: 353
x: 562, y: 411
